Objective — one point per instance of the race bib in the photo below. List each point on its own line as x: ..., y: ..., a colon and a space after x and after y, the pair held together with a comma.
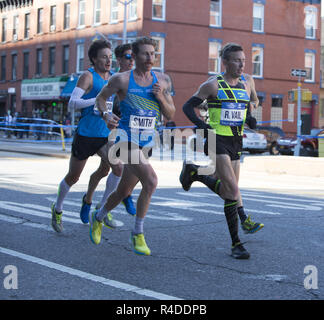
x: 140, y: 122
x: 232, y: 114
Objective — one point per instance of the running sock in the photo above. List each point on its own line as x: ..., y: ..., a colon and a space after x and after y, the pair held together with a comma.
x: 230, y: 209
x: 139, y: 223
x: 212, y: 183
x: 111, y: 184
x: 101, y: 213
x: 61, y: 194
x: 241, y: 213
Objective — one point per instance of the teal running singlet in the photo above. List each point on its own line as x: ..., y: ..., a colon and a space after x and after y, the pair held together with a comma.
x: 140, y: 112
x: 91, y: 124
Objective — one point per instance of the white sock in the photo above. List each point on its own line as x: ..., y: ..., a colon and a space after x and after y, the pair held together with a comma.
x: 139, y: 223
x: 61, y: 194
x: 111, y: 185
x: 101, y: 213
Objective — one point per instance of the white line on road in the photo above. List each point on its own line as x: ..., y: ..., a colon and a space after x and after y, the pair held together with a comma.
x: 89, y: 276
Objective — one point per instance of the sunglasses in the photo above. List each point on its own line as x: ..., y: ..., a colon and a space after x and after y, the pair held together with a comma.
x: 128, y: 56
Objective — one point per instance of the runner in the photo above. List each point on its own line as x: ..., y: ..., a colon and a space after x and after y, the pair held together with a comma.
x: 143, y: 96
x: 125, y: 60
x: 91, y: 136
x: 228, y: 96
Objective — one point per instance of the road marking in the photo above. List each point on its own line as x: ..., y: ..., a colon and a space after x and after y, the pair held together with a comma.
x: 28, y: 183
x: 25, y: 222
x: 88, y: 276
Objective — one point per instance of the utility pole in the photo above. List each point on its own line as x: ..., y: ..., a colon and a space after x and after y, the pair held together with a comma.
x: 125, y: 3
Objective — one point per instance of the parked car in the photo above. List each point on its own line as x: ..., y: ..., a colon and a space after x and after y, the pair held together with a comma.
x: 254, y: 142
x: 272, y: 135
x: 309, y: 144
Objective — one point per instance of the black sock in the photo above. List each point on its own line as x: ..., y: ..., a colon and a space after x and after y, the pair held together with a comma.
x: 242, y: 215
x: 212, y: 183
x: 230, y: 209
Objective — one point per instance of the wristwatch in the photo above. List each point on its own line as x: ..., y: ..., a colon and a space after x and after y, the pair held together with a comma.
x: 104, y: 113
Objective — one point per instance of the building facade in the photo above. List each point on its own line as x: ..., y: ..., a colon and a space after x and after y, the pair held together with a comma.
x: 43, y: 49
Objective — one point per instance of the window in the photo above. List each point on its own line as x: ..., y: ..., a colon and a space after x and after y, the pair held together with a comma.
x: 39, y: 61
x: 310, y: 21
x: 114, y: 11
x: 257, y: 62
x: 4, y: 30
x: 321, y: 113
x: 3, y: 68
x: 27, y: 25
x: 26, y: 65
x: 96, y: 13
x: 14, y: 66
x: 215, y: 13
x: 40, y: 20
x: 66, y: 23
x: 310, y: 66
x: 258, y: 17
x: 80, y: 57
x: 66, y: 57
x: 51, y: 61
x: 132, y: 10
x: 52, y: 18
x: 159, y: 54
x: 158, y: 9
x: 214, y: 61
x: 81, y: 21
x: 276, y: 110
x: 15, y: 28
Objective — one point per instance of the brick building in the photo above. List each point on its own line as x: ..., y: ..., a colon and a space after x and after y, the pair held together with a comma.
x: 44, y: 45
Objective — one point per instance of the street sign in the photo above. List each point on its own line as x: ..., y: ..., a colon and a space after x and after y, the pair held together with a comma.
x: 298, y: 73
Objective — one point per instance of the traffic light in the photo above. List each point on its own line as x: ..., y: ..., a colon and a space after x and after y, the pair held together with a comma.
x: 54, y: 104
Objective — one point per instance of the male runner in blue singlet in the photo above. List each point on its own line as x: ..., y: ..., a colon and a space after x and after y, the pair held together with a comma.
x: 143, y: 96
x: 91, y: 136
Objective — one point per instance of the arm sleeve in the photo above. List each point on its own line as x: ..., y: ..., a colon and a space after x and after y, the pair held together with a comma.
x: 76, y: 102
x: 188, y: 109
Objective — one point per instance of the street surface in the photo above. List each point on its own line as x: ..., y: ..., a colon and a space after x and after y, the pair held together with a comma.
x: 186, y: 232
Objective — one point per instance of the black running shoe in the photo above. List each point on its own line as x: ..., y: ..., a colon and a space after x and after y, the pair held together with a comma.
x: 186, y: 175
x: 239, y: 252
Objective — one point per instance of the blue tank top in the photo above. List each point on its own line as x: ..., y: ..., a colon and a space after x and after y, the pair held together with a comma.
x: 91, y: 124
x: 140, y: 112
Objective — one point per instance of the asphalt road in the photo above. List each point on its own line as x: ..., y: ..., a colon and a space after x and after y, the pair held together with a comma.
x: 186, y: 232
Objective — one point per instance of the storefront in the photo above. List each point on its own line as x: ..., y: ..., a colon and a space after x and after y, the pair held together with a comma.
x: 45, y: 96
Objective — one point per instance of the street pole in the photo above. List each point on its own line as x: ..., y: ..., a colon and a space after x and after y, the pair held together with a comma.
x: 125, y: 3
x: 299, y: 121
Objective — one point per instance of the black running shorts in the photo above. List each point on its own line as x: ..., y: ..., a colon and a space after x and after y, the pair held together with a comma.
x: 230, y: 145
x: 85, y: 147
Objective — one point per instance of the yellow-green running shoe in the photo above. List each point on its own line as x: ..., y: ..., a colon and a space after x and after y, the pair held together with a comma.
x: 248, y: 226
x: 109, y: 221
x: 56, y: 219
x: 139, y: 245
x: 95, y: 228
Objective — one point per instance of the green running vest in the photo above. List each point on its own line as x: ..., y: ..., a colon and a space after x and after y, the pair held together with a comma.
x: 227, y: 112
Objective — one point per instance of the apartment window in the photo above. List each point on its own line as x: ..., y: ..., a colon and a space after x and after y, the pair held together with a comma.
x: 96, y: 13
x: 257, y: 62
x: 66, y: 23
x: 66, y: 57
x: 39, y: 61
x: 310, y: 66
x: 276, y: 110
x: 14, y: 66
x: 3, y: 68
x: 81, y: 21
x: 15, y: 28
x: 4, y: 30
x: 40, y: 20
x: 26, y: 65
x: 310, y: 21
x: 132, y: 10
x: 159, y: 54
x: 27, y: 26
x: 114, y: 11
x: 80, y: 57
x: 52, y: 18
x: 215, y: 13
x: 158, y: 9
x: 258, y: 17
x: 51, y: 60
x: 214, y: 61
